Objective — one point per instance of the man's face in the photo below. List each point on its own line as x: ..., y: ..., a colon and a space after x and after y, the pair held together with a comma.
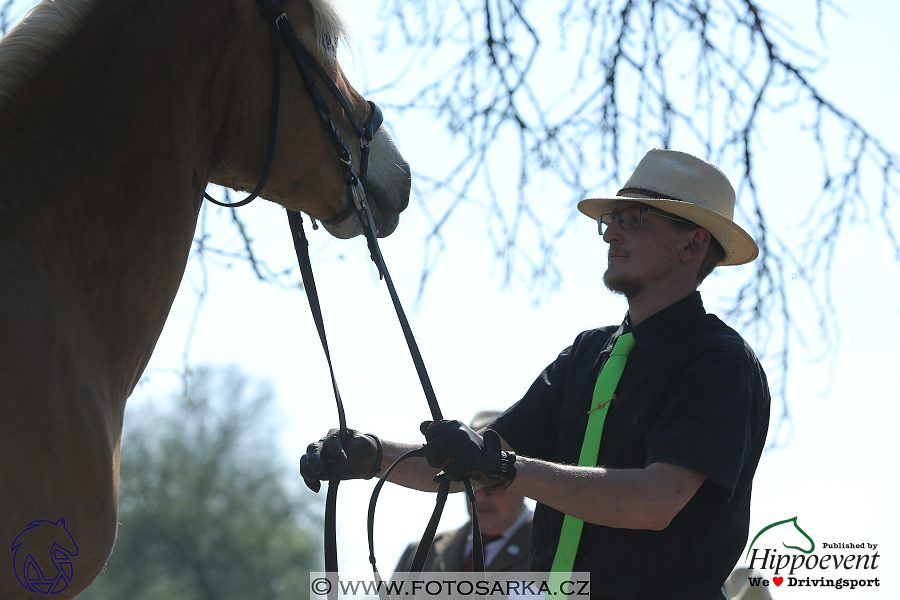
x: 643, y: 258
x: 497, y: 510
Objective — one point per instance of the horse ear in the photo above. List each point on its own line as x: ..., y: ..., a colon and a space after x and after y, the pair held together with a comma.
x: 62, y: 522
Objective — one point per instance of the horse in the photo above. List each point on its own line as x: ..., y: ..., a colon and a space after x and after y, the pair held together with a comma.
x: 114, y: 116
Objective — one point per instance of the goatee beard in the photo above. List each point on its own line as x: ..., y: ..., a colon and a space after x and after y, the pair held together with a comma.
x: 623, y: 286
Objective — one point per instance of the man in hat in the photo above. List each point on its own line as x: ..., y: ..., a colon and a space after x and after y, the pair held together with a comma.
x: 663, y: 510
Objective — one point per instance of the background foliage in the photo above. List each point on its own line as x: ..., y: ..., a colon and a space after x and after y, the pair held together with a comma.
x: 204, y: 509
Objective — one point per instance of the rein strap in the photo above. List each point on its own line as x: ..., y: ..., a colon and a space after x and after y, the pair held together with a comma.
x: 301, y: 246
x: 308, y: 68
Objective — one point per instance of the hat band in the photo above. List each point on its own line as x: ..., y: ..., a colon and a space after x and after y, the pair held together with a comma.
x: 646, y: 192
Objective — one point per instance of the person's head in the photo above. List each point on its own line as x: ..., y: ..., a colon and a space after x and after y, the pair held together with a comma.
x: 497, y: 511
x: 671, y: 225
x: 713, y: 257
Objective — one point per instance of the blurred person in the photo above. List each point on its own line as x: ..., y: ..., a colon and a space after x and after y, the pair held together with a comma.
x: 505, y: 524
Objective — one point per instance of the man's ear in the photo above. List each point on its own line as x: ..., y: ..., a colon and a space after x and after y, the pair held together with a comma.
x: 696, y: 245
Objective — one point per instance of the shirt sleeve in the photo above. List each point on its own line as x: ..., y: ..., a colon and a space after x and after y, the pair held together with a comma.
x: 528, y: 425
x: 707, y: 423
x: 533, y: 425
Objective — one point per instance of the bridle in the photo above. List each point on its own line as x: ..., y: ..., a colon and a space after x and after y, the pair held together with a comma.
x: 309, y: 68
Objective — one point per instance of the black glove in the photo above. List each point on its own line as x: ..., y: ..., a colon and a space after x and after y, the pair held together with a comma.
x: 351, y: 456
x: 459, y: 451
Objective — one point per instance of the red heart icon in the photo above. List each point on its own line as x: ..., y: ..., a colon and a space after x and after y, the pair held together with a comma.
x: 778, y: 580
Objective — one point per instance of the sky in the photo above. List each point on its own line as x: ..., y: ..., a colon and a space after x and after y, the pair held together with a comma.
x: 484, y: 342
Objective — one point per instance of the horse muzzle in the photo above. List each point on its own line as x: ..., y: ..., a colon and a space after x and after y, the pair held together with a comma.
x: 386, y: 188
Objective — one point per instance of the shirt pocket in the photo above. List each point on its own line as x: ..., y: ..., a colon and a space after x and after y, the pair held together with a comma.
x: 624, y: 441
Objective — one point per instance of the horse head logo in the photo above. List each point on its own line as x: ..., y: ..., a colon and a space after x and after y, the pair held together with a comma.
x: 812, y: 544
x: 42, y: 555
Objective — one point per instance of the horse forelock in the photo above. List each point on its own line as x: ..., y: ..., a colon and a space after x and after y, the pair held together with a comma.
x: 331, y: 27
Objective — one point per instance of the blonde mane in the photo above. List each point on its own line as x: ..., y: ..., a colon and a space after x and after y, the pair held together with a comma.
x: 331, y: 27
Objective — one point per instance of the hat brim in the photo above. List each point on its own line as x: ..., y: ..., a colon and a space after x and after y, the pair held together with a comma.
x: 739, y: 246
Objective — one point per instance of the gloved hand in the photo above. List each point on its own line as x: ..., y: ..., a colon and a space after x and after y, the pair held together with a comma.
x: 459, y: 451
x: 352, y: 456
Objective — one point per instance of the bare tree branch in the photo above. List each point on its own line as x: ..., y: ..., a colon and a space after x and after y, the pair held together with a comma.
x: 646, y: 73
x: 575, y: 93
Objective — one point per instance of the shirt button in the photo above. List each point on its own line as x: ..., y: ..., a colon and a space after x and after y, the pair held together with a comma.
x: 635, y: 421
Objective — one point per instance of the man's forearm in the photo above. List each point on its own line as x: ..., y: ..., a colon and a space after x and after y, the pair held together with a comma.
x: 628, y: 498
x: 646, y: 498
x: 413, y: 472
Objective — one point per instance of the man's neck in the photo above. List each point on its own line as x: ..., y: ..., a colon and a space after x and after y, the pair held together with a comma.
x: 648, y: 303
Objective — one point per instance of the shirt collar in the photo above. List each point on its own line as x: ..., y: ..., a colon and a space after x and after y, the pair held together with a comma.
x: 657, y: 327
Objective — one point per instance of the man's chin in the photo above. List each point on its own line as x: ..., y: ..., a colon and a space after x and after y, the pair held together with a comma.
x: 621, y: 285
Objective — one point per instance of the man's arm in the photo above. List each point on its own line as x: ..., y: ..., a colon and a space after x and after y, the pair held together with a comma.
x: 646, y: 498
x: 363, y: 456
x: 414, y: 473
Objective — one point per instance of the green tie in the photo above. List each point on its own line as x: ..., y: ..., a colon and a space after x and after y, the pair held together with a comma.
x: 603, y: 395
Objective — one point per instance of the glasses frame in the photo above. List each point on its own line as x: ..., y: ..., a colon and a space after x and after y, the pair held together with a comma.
x: 606, y: 219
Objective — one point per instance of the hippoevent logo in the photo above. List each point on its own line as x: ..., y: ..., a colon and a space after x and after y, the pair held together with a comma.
x: 42, y: 556
x: 801, y: 563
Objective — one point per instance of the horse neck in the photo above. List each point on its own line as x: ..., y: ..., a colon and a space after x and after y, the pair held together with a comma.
x: 108, y: 134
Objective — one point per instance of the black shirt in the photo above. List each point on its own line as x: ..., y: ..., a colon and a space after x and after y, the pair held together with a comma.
x: 692, y: 393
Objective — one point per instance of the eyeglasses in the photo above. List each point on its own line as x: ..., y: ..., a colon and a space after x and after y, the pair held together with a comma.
x: 632, y: 217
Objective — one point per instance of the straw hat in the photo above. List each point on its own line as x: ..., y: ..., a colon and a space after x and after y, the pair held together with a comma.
x: 688, y: 187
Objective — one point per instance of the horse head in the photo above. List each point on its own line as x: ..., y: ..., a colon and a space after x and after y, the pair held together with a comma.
x: 306, y: 173
x: 114, y: 116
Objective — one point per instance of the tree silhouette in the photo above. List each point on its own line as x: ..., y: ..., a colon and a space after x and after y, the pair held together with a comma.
x: 575, y: 92
x: 626, y: 76
x: 203, y: 509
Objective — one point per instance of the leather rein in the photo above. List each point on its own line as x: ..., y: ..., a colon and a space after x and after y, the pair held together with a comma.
x: 309, y: 68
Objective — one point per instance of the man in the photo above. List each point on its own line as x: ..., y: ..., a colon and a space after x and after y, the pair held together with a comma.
x: 666, y: 505
x: 505, y: 524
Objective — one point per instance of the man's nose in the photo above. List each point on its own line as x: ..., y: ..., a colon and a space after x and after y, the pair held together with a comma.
x: 613, y: 232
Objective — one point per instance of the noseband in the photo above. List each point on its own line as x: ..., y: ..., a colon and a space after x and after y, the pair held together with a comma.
x: 308, y: 68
